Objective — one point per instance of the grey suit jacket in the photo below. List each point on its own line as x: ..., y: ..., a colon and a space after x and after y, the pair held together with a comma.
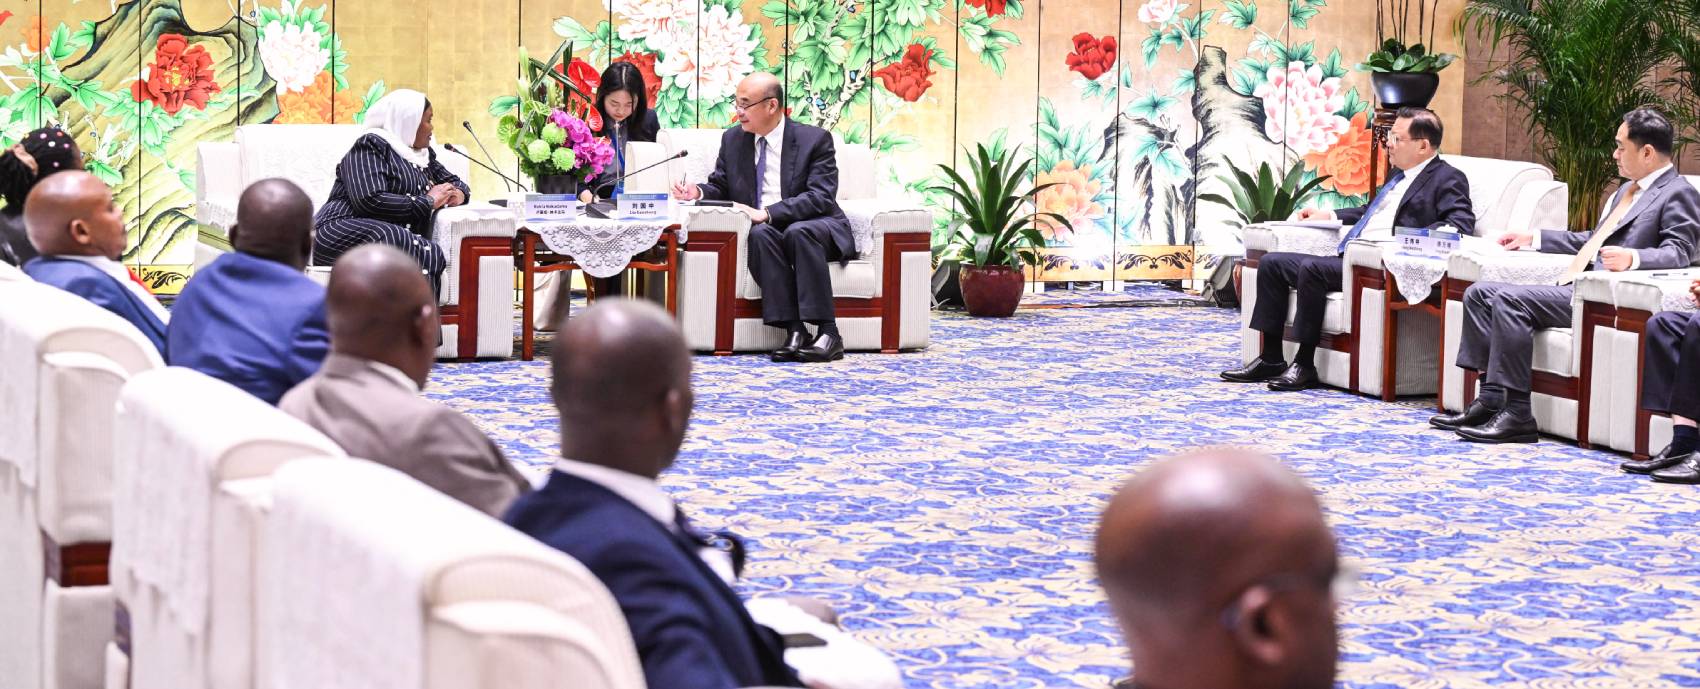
x: 373, y: 417
x: 1663, y: 227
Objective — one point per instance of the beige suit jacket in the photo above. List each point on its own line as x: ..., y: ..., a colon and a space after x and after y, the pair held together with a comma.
x: 372, y: 416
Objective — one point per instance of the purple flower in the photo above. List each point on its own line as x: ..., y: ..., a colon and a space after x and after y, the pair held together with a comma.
x: 577, y: 131
x: 560, y: 118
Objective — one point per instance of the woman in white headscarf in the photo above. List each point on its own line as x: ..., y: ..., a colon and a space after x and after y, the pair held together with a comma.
x: 389, y: 186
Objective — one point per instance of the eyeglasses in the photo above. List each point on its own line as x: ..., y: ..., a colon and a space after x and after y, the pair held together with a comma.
x: 1341, y: 585
x: 745, y: 107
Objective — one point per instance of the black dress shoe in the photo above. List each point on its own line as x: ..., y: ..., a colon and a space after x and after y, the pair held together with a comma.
x: 1297, y: 377
x: 1505, y: 427
x: 788, y: 353
x: 1474, y: 415
x: 1255, y: 372
x: 1688, y: 472
x: 827, y: 347
x: 1663, y: 460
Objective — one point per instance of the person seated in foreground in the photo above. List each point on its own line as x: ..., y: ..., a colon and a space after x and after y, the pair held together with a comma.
x: 383, y: 323
x: 1670, y: 384
x: 43, y: 152
x: 79, y: 232
x: 252, y: 318
x: 1223, y: 574
x: 1426, y: 192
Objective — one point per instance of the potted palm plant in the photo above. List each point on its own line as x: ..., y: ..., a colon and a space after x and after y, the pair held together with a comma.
x: 994, y: 231
x: 1405, y: 74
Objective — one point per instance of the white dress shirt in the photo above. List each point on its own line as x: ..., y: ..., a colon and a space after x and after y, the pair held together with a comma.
x: 770, y: 184
x: 1643, y: 185
x: 1380, y: 226
x: 117, y: 271
x: 647, y: 496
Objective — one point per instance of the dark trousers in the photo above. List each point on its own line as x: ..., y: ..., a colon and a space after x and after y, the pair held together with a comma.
x: 1670, y: 378
x: 790, y: 266
x: 1500, y: 321
x: 1313, y: 276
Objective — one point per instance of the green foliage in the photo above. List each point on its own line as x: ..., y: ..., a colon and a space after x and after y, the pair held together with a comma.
x: 1265, y: 197
x: 1396, y: 57
x: 990, y: 225
x: 1300, y: 12
x: 1241, y: 14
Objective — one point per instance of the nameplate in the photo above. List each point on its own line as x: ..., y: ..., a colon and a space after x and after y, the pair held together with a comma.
x: 641, y: 206
x: 550, y: 208
x: 1426, y: 243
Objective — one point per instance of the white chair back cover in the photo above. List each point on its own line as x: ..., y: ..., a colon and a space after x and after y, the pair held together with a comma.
x: 1494, y: 186
x: 306, y: 154
x: 411, y: 589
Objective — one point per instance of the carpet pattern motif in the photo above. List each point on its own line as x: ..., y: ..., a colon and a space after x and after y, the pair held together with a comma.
x: 945, y: 502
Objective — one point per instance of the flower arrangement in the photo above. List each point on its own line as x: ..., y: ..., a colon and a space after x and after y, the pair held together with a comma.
x: 549, y: 127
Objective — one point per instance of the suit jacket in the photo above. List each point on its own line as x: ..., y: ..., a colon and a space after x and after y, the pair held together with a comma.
x: 691, y: 629
x: 373, y: 181
x: 251, y: 322
x: 1440, y: 195
x: 90, y: 283
x: 808, y: 179
x: 373, y: 417
x: 1663, y: 226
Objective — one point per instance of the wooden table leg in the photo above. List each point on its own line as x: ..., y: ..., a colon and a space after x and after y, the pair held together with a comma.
x: 672, y: 273
x: 529, y: 273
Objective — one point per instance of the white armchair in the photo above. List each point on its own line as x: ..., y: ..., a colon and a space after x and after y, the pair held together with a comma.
x: 65, y: 360
x: 1626, y: 426
x: 883, y: 297
x: 1373, y: 341
x: 477, y: 296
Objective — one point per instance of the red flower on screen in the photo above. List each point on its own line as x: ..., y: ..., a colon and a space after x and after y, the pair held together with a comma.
x: 911, y: 76
x: 645, y: 62
x: 179, y: 73
x: 1092, y: 57
x: 993, y: 8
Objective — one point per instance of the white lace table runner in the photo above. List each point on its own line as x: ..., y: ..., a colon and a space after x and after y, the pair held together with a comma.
x: 601, y: 247
x: 1523, y: 268
x: 1414, y: 276
x: 1674, y: 293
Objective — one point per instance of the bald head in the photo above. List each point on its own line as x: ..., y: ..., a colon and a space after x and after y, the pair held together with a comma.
x: 761, y: 101
x: 380, y: 308
x: 274, y: 221
x: 1183, y: 547
x: 72, y: 214
x: 622, y: 384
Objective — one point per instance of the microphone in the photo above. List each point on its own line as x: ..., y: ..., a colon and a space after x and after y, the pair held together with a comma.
x: 622, y: 178
x: 487, y: 156
x: 474, y: 161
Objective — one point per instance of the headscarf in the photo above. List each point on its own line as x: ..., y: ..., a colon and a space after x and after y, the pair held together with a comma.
x: 40, y: 153
x: 396, y: 118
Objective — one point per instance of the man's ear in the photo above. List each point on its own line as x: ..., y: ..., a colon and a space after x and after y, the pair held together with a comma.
x: 80, y: 233
x: 234, y: 230
x: 1256, y: 631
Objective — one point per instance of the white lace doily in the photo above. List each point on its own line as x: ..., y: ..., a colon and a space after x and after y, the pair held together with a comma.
x: 1414, y: 276
x: 1523, y: 268
x: 601, y: 247
x: 1675, y: 295
x: 1306, y: 240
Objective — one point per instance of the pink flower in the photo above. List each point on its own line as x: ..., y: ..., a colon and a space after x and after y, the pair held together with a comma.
x: 1159, y: 11
x: 1300, y: 108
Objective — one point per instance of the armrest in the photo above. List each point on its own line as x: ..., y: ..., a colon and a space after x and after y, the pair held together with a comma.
x: 1638, y: 289
x: 1364, y: 253
x: 1292, y: 239
x: 1539, y: 205
x: 475, y: 219
x: 218, y: 183
x: 872, y: 219
x: 1514, y: 267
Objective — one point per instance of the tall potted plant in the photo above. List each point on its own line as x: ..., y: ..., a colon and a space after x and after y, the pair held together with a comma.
x: 1405, y: 74
x: 1574, y: 68
x: 994, y: 230
x: 551, y: 128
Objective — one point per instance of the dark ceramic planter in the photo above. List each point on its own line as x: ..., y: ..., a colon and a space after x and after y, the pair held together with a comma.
x: 557, y: 184
x: 991, y: 290
x: 1396, y: 90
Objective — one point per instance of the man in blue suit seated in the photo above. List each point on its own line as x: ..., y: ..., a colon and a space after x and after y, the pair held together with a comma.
x: 251, y: 318
x: 622, y: 384
x: 79, y: 233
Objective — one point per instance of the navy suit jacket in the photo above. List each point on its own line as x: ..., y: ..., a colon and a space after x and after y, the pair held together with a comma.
x: 691, y: 629
x: 90, y: 283
x: 808, y: 180
x: 1439, y: 196
x: 251, y: 322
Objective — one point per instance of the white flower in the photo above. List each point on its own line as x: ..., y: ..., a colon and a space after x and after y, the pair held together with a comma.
x: 293, y: 55
x: 711, y: 65
x: 1301, y: 108
x: 658, y: 23
x: 1159, y: 11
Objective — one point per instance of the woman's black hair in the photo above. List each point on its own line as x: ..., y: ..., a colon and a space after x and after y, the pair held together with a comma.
x: 622, y: 76
x: 48, y: 150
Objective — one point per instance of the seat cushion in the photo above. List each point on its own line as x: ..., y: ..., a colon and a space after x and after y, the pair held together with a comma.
x: 854, y: 280
x: 1334, y: 319
x: 1553, y: 347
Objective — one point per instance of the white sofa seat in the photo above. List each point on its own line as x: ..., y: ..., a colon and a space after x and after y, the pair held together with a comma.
x: 418, y: 590
x: 884, y: 295
x: 64, y: 361
x: 1617, y: 420
x: 477, y: 294
x: 189, y: 505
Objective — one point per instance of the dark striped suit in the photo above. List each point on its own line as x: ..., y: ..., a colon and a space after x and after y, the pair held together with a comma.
x: 380, y: 197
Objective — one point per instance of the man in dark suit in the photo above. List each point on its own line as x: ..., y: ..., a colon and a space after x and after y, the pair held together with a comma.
x: 383, y: 322
x: 623, y: 389
x: 1222, y: 572
x: 784, y: 175
x: 79, y: 232
x: 1652, y: 222
x: 1427, y: 192
x: 251, y: 318
x: 1670, y: 384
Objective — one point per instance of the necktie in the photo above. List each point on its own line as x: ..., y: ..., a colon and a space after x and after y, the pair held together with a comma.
x: 1591, y: 249
x: 761, y: 168
x: 1375, y: 205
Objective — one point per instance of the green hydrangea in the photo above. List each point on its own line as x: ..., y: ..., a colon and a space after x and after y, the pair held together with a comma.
x: 564, y: 158
x: 554, y: 134
x: 537, y: 151
x: 508, y: 129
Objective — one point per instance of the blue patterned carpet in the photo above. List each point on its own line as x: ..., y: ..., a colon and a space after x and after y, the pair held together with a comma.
x: 945, y: 502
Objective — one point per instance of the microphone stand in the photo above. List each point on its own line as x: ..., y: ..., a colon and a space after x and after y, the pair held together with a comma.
x: 480, y: 142
x: 474, y: 161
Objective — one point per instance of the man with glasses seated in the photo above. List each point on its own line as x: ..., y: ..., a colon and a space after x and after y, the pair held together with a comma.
x: 784, y: 175
x: 1222, y: 572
